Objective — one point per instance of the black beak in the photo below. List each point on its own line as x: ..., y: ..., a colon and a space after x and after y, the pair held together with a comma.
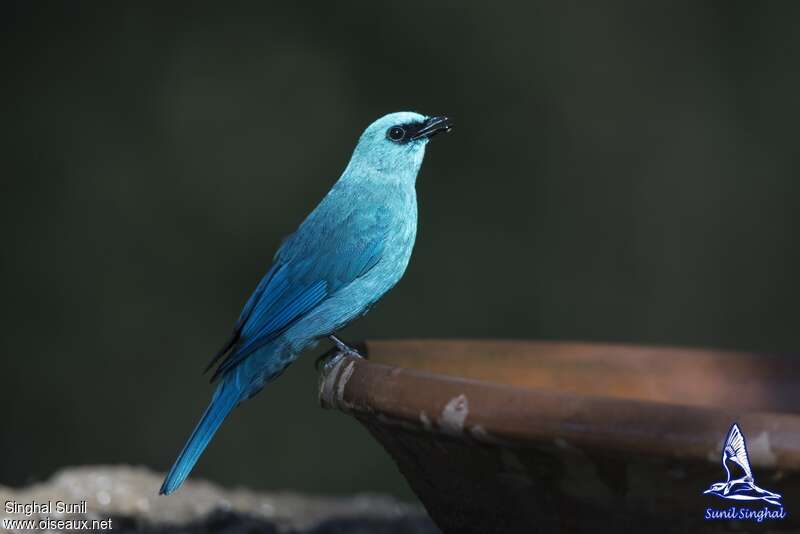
x: 432, y: 126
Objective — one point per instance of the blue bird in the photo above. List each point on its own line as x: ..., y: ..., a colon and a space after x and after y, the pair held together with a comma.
x: 351, y: 250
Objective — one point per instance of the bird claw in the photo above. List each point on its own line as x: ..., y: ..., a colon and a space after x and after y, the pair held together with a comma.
x: 329, y: 363
x: 329, y: 360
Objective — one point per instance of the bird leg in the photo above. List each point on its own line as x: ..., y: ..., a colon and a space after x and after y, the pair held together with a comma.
x: 344, y: 347
x: 329, y: 360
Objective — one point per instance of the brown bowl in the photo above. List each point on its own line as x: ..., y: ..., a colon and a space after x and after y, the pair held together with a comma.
x: 511, y: 436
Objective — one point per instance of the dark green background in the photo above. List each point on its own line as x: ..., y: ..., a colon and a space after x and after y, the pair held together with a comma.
x: 619, y: 171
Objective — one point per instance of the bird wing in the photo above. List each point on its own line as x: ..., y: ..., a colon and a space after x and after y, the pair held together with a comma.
x: 312, y: 264
x: 736, y: 450
x: 254, y: 298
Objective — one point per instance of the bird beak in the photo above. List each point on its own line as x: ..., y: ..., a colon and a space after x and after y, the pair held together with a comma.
x: 432, y: 126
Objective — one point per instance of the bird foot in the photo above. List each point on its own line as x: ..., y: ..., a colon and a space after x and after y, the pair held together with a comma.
x: 329, y: 360
x: 344, y: 347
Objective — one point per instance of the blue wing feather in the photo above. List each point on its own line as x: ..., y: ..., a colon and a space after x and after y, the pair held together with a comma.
x: 255, y: 298
x: 274, y: 325
x: 306, y: 272
x: 268, y: 298
x: 245, y: 314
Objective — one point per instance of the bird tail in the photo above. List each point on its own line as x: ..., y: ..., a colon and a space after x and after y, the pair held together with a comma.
x: 225, y: 399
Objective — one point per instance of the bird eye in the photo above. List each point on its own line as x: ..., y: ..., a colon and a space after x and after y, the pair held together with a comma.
x: 396, y: 133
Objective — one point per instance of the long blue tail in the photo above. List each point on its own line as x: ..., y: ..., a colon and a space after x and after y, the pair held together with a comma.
x: 225, y: 399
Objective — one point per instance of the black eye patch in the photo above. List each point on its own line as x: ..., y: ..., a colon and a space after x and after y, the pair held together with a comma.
x: 403, y: 133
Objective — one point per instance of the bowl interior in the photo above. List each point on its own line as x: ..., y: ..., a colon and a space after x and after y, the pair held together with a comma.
x: 711, y: 378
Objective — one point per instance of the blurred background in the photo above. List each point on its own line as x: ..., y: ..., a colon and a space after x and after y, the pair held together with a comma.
x: 619, y: 172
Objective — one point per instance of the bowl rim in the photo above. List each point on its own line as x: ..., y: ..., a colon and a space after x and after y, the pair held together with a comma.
x: 500, y: 414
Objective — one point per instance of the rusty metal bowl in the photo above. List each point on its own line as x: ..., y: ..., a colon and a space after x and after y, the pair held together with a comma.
x: 511, y: 436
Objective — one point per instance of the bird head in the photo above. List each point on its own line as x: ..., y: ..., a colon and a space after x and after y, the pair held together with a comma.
x: 395, y: 143
x: 716, y: 487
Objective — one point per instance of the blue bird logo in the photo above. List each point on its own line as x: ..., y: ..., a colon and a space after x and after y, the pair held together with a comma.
x: 740, y: 483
